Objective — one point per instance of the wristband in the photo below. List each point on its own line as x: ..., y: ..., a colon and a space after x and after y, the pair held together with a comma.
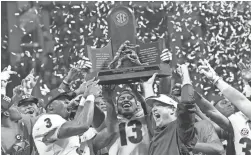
x: 82, y: 101
x: 90, y: 98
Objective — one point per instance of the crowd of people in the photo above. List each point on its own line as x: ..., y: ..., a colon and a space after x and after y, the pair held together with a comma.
x: 87, y: 120
x: 135, y: 118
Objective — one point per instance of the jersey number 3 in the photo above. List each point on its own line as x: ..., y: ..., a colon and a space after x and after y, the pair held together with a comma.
x: 48, y: 122
x: 136, y: 129
x: 247, y: 150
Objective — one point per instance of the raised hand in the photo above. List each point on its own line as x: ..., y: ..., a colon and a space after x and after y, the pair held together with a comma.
x: 18, y: 92
x: 207, y: 70
x: 82, y: 67
x: 166, y: 56
x: 82, y: 88
x: 72, y: 75
x: 245, y: 71
x: 151, y: 80
x: 44, y: 89
x: 93, y: 89
x: 74, y: 102
x: 29, y: 82
x: 5, y: 76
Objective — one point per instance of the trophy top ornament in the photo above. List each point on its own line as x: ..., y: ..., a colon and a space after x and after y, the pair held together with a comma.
x: 125, y: 52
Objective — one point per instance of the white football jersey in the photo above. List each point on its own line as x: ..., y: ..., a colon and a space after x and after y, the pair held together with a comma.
x: 88, y: 135
x: 133, y: 138
x: 242, y: 133
x: 45, y: 133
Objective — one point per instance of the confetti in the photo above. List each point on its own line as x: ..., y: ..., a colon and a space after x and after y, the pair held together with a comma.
x: 209, y: 30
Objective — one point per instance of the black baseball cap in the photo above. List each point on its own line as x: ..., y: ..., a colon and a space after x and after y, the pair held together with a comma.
x: 57, y: 94
x: 27, y: 98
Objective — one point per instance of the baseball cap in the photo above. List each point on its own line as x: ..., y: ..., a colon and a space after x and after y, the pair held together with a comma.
x: 163, y: 99
x: 27, y: 98
x: 56, y: 94
x: 5, y: 103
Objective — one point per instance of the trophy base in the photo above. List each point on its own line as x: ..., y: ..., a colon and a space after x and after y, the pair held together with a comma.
x: 132, y: 74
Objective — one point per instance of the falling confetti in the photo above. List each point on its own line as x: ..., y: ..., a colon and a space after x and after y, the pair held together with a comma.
x: 200, y: 30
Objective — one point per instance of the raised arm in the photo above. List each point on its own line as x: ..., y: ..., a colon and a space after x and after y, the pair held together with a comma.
x: 148, y: 91
x: 111, y: 118
x: 84, y: 114
x: 65, y: 85
x: 208, y: 109
x: 186, y: 110
x: 105, y: 136
x: 140, y: 98
x: 233, y: 95
x: 81, y: 67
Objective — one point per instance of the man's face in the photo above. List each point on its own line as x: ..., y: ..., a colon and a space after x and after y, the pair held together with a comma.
x: 15, y: 115
x: 127, y: 104
x: 162, y: 113
x: 225, y: 107
x: 60, y: 108
x: 101, y: 103
x: 29, y: 108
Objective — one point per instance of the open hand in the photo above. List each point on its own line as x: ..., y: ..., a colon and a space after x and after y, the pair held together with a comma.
x: 29, y: 82
x: 5, y: 74
x: 207, y: 70
x: 181, y: 69
x: 72, y: 74
x: 18, y: 92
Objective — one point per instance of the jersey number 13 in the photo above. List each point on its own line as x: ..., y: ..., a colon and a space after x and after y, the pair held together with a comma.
x: 137, y: 129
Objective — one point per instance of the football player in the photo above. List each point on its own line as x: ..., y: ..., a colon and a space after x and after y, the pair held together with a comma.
x: 237, y: 124
x: 52, y: 133
x: 132, y: 136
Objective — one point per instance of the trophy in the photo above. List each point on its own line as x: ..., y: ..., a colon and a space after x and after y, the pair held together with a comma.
x: 125, y: 59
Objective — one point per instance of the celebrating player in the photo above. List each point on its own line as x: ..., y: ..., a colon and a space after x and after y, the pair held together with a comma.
x: 237, y: 124
x: 52, y: 133
x: 132, y: 136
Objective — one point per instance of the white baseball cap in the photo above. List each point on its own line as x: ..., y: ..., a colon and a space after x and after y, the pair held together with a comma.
x: 161, y: 98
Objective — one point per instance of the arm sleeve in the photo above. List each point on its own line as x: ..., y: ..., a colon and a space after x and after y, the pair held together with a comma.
x: 47, y: 127
x: 186, y: 117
